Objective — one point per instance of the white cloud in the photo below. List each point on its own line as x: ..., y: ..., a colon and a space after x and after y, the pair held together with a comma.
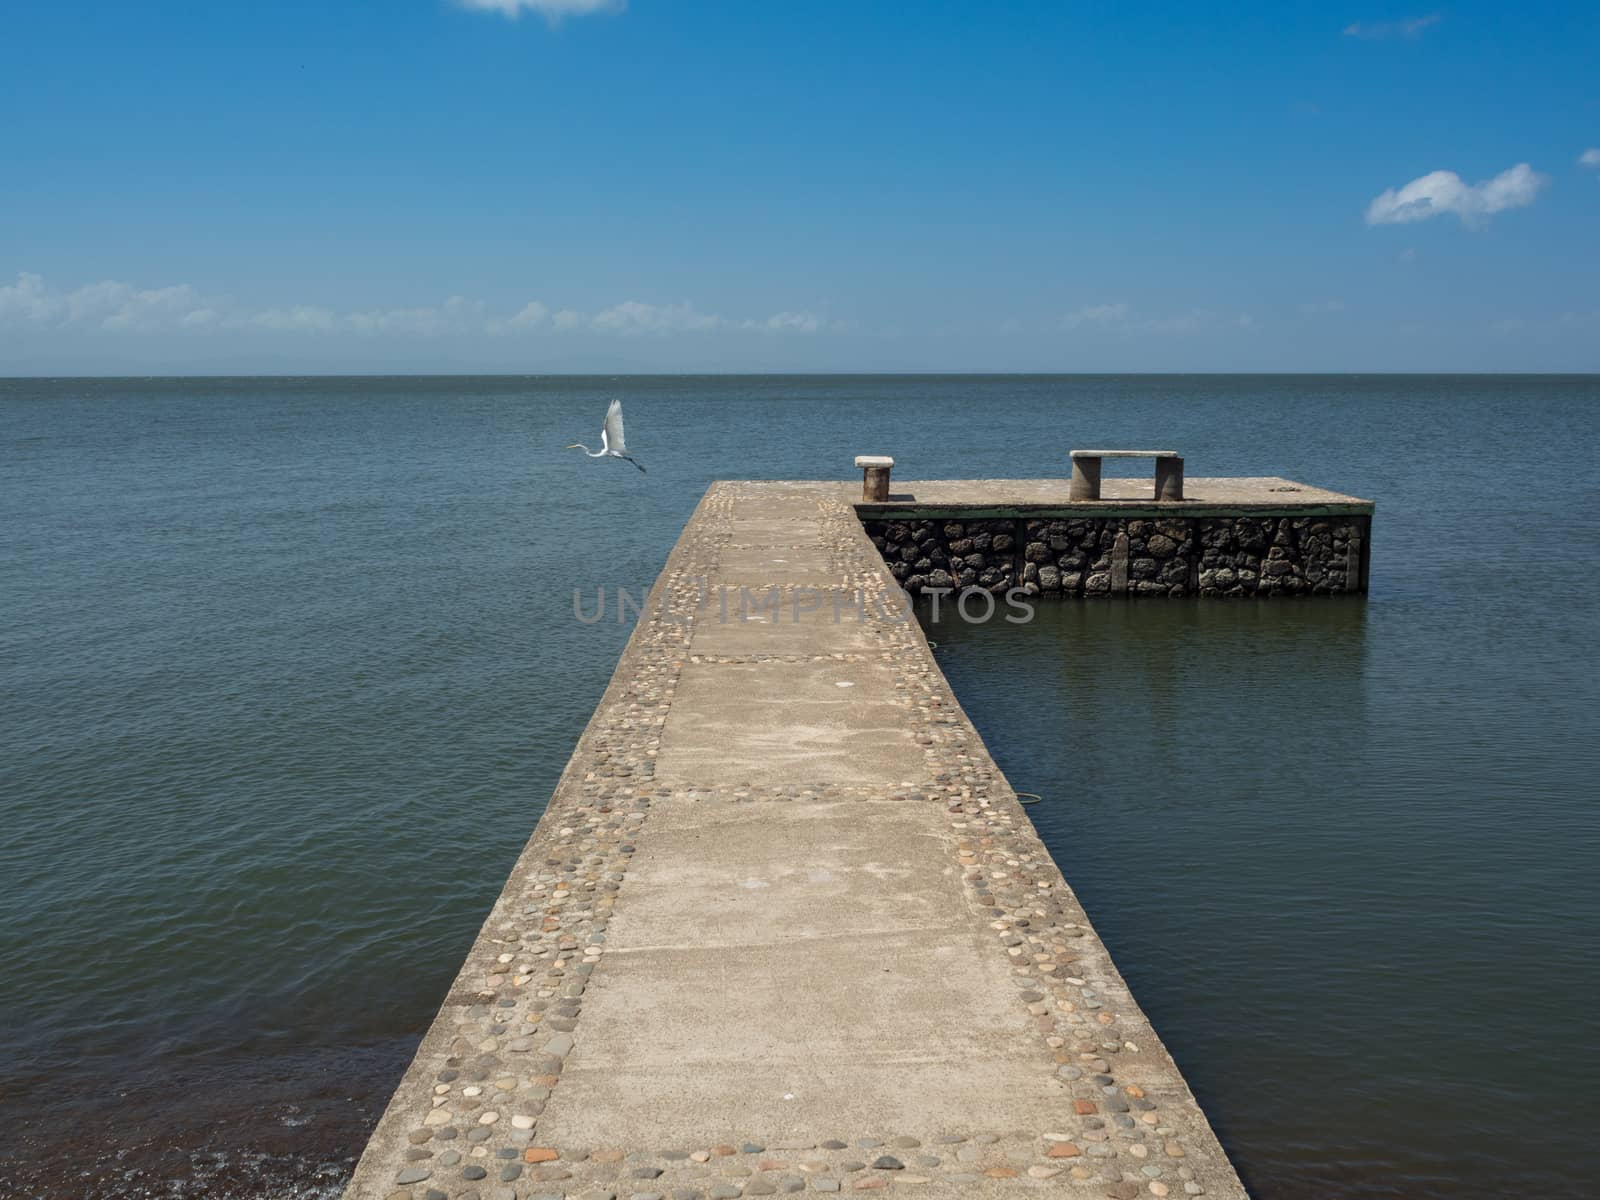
x: 27, y: 300
x: 1380, y: 31
x: 107, y: 304
x: 788, y: 322
x: 114, y: 305
x: 121, y: 307
x: 137, y: 310
x: 1589, y: 158
x: 1097, y: 314
x: 96, y: 300
x: 551, y: 10
x: 633, y: 317
x: 301, y: 318
x: 455, y: 315
x: 529, y: 315
x: 1440, y: 192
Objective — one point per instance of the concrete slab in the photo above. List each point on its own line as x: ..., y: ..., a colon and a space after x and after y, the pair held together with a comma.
x: 761, y: 874
x: 788, y: 723
x: 759, y: 620
x: 775, y: 531
x: 795, y: 970
x: 779, y: 499
x: 797, y: 1090
x: 792, y: 565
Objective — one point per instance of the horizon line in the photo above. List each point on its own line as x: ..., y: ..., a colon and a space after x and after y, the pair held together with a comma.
x: 905, y: 374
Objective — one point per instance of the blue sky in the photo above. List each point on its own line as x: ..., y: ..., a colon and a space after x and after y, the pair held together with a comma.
x: 572, y: 185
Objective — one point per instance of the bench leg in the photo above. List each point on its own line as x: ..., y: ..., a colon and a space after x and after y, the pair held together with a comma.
x: 1085, y: 479
x: 1169, y: 477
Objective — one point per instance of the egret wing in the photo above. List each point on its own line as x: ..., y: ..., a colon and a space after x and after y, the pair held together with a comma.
x: 613, y: 435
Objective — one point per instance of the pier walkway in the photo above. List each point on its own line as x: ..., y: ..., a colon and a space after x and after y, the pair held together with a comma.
x: 784, y: 927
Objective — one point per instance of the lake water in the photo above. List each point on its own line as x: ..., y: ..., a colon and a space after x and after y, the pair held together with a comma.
x: 290, y: 668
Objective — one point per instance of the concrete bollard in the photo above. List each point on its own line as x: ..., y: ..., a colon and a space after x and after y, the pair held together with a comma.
x: 875, y: 476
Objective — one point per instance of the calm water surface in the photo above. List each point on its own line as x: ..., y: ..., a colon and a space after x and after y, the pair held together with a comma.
x: 290, y: 668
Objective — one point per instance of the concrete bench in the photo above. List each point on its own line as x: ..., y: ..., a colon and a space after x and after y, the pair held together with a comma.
x: 1086, y: 472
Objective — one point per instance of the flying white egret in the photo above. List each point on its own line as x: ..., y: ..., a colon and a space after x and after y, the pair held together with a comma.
x: 612, y: 443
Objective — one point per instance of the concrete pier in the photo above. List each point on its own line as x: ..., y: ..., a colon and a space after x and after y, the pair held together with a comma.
x: 1088, y: 538
x: 784, y: 927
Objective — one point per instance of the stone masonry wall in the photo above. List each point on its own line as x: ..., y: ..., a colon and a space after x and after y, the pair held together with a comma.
x: 1102, y: 556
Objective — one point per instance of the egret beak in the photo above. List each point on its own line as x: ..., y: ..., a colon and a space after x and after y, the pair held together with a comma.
x: 574, y: 446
